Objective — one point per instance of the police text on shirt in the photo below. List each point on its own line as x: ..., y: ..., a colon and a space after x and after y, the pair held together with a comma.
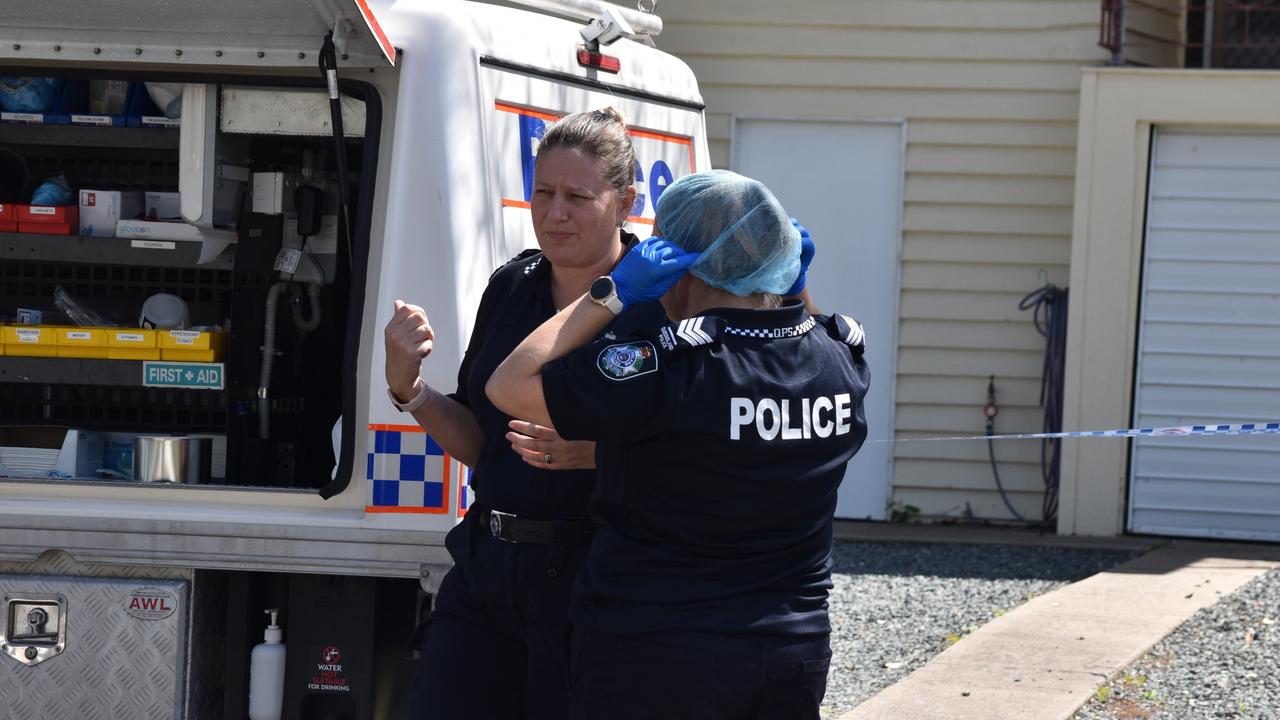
x: 772, y: 418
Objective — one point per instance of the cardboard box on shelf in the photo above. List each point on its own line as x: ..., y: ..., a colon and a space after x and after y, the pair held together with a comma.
x: 101, y: 209
x: 162, y: 235
x: 271, y: 191
x: 162, y: 206
x: 117, y: 455
x: 29, y: 316
x: 157, y: 230
x: 49, y: 219
x: 79, y: 452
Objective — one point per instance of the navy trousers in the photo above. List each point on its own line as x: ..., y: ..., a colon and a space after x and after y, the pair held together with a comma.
x: 496, y: 645
x: 697, y: 676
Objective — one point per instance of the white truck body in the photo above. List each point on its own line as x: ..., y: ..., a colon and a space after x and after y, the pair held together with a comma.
x: 470, y: 83
x: 443, y: 104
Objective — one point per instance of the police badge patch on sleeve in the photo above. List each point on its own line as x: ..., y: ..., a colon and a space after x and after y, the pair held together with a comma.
x: 625, y: 361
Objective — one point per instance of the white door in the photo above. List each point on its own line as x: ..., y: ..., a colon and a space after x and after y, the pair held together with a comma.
x: 843, y: 181
x: 1209, y: 337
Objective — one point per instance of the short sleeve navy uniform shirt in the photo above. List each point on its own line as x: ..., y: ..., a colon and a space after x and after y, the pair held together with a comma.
x: 722, y: 441
x: 516, y: 301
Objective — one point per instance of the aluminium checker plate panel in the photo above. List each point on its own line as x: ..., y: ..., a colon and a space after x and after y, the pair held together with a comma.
x: 125, y: 651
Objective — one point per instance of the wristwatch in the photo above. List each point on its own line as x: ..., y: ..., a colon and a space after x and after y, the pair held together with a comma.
x: 605, y: 292
x: 424, y: 394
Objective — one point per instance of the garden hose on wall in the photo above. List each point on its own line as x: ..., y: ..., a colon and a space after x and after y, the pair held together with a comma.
x: 1049, y: 314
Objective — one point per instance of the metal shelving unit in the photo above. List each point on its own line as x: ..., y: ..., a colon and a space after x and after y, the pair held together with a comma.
x: 107, y: 251
x: 84, y: 135
x: 68, y: 371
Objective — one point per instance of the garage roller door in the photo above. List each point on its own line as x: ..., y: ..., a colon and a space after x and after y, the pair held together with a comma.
x: 1209, y: 337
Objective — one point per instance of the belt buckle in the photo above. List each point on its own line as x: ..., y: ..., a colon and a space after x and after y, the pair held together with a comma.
x: 495, y: 524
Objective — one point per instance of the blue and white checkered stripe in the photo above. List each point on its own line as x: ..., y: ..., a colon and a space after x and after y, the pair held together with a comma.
x: 1255, y: 428
x: 406, y: 470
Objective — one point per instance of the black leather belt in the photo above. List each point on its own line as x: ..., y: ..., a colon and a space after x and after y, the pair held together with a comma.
x: 516, y: 529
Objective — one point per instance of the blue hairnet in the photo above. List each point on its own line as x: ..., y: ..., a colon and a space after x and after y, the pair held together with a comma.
x: 747, y: 242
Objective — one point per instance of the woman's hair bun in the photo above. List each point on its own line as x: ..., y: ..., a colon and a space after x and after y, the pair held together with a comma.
x: 613, y: 114
x: 603, y: 135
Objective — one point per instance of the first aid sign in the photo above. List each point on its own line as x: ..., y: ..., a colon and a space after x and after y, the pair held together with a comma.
x: 190, y: 376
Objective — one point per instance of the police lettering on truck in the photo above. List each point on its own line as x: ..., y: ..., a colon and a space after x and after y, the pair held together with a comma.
x: 649, y: 186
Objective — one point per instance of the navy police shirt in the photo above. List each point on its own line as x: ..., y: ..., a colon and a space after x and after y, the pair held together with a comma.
x: 722, y: 441
x: 516, y: 301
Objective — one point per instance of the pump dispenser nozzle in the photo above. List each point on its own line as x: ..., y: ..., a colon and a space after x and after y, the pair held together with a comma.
x: 273, y: 634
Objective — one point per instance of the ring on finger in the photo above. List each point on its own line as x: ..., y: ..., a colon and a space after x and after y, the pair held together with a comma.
x: 546, y: 457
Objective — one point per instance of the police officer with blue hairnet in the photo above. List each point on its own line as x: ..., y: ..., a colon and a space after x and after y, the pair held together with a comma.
x: 722, y: 438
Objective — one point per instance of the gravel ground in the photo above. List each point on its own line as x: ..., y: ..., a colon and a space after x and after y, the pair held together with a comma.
x: 895, y: 606
x: 1224, y: 662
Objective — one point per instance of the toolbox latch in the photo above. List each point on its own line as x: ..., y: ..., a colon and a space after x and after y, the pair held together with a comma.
x: 35, y: 627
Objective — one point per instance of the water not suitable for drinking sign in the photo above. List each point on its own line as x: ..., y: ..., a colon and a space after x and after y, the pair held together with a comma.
x: 197, y: 376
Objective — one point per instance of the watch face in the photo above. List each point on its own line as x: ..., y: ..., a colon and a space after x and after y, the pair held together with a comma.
x: 602, y: 288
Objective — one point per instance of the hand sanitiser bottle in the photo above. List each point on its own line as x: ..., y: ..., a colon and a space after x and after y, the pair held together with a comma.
x: 266, y: 673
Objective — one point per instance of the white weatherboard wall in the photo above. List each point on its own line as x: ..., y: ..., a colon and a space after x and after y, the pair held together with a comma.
x: 856, y: 272
x: 989, y: 90
x: 1209, y: 337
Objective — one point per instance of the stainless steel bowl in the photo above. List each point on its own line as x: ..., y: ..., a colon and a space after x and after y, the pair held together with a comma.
x: 165, y: 459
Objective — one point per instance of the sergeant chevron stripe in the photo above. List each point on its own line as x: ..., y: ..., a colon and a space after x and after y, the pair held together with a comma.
x: 690, y: 331
x: 855, y: 336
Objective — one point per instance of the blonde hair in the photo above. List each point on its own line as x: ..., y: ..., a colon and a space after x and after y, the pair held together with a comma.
x: 602, y: 134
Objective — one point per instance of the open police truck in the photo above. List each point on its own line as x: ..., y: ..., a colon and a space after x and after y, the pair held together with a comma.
x: 209, y: 208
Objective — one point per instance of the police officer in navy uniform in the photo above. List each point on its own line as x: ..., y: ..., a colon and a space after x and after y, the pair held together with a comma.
x: 722, y: 438
x: 494, y: 649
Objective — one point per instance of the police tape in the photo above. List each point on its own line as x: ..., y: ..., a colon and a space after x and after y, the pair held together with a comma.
x: 1174, y: 431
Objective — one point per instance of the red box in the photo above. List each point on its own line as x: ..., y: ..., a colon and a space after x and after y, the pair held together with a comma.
x: 8, y: 218
x: 49, y: 219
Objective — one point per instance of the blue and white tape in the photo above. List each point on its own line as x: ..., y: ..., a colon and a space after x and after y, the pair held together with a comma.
x: 1257, y: 428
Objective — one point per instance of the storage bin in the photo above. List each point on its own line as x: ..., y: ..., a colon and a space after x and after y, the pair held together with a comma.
x: 52, y: 115
x: 132, y: 344
x: 82, y: 342
x: 73, y: 105
x: 49, y: 219
x: 8, y: 218
x: 192, y: 345
x: 30, y: 341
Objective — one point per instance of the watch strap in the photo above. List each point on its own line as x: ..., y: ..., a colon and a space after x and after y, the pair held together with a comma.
x: 613, y: 304
x: 424, y: 394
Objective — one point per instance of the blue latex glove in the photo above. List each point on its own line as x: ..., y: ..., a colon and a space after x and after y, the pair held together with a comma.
x: 54, y: 191
x: 806, y: 256
x: 649, y: 270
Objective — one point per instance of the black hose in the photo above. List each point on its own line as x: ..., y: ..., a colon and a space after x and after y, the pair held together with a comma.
x: 1049, y: 314
x: 329, y: 68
